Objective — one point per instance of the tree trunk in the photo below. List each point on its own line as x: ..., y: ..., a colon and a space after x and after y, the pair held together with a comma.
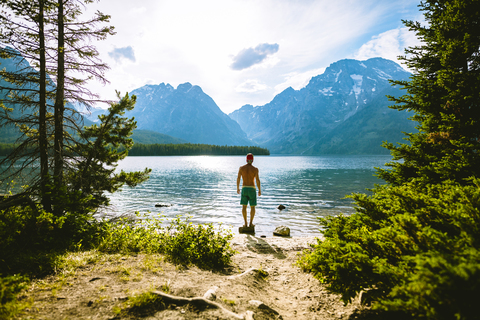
x: 59, y: 105
x: 42, y: 126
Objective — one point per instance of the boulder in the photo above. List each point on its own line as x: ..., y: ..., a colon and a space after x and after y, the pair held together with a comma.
x: 246, y: 230
x: 282, y: 231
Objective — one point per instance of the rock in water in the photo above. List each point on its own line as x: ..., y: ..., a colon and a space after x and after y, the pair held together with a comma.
x: 246, y: 230
x: 281, y: 207
x: 282, y: 231
x: 162, y: 205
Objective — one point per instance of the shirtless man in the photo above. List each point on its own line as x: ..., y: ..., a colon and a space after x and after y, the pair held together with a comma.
x: 248, y: 174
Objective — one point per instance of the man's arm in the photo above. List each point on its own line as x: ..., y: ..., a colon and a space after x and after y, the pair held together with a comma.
x: 238, y: 180
x: 258, y: 184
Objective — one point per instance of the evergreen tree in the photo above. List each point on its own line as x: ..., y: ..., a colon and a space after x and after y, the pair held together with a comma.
x: 92, y: 170
x: 26, y: 87
x: 413, y: 247
x: 444, y: 92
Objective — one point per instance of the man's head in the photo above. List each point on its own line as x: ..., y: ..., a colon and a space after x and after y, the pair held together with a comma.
x: 249, y: 158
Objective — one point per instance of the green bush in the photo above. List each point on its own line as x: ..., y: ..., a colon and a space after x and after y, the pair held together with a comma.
x: 409, y: 248
x: 180, y: 240
x: 10, y: 287
x: 185, y: 243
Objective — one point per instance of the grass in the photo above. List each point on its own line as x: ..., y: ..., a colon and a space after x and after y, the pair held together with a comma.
x: 179, y: 242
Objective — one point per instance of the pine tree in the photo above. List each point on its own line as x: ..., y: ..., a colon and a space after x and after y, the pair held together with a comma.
x: 413, y: 246
x: 444, y: 92
x: 26, y: 87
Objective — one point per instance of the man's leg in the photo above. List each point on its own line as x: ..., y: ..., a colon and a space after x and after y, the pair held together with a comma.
x: 252, y: 214
x: 244, y: 212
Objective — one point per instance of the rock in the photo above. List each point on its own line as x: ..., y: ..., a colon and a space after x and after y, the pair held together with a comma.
x: 211, y: 294
x: 162, y: 205
x: 246, y: 230
x: 282, y: 231
x: 262, y: 306
x: 281, y: 207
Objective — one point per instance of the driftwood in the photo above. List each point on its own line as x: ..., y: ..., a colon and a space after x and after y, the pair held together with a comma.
x: 202, y: 303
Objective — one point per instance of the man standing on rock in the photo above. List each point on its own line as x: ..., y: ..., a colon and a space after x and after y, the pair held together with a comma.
x: 248, y: 173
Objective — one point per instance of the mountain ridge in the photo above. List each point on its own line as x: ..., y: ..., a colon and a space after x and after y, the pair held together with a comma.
x: 297, y: 120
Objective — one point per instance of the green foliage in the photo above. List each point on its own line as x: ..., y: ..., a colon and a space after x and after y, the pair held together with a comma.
x: 181, y: 241
x: 10, y: 288
x: 444, y: 93
x: 190, y: 149
x: 413, y: 246
x: 185, y: 243
x: 31, y: 237
x: 93, y: 170
x: 412, y: 249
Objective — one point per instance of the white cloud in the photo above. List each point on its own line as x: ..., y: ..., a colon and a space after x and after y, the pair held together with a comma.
x: 390, y: 45
x: 178, y: 41
x: 251, y: 86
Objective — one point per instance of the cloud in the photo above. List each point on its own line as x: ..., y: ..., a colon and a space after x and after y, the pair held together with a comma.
x: 122, y: 53
x: 251, y: 56
x: 251, y: 86
x: 389, y: 45
x: 298, y: 80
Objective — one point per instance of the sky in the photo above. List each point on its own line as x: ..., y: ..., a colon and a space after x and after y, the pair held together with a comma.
x: 244, y: 51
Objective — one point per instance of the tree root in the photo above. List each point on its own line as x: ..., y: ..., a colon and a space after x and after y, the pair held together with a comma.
x: 202, y: 303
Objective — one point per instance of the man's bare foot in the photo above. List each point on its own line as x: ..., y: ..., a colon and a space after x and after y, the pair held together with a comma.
x: 245, y: 226
x: 252, y: 225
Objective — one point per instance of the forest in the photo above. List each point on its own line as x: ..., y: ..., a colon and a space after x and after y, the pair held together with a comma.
x: 186, y: 149
x: 190, y: 149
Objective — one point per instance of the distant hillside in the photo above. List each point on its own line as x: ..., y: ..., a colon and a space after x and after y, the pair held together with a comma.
x: 187, y: 113
x: 152, y: 137
x: 342, y: 111
x: 8, y: 132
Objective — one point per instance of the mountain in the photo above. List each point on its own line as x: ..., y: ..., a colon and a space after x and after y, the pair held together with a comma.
x: 342, y: 111
x: 9, y: 133
x: 187, y: 113
x: 138, y: 136
x: 151, y: 137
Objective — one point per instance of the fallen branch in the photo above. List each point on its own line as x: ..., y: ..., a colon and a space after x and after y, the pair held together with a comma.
x: 201, y: 303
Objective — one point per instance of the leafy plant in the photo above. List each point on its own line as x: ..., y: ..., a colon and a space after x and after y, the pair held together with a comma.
x: 413, y: 246
x: 409, y: 248
x: 10, y: 288
x: 180, y: 241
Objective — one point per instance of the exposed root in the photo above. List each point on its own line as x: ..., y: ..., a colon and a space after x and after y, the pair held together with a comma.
x: 201, y: 303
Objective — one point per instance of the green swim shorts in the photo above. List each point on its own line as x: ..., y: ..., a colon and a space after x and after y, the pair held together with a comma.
x: 249, y: 194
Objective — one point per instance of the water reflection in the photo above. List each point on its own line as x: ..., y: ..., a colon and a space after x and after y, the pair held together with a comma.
x: 205, y: 188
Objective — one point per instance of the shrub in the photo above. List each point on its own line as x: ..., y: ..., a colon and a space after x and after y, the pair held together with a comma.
x: 10, y: 287
x: 409, y: 248
x: 180, y: 240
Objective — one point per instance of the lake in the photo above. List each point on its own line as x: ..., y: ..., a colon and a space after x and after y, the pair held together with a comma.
x: 204, y: 187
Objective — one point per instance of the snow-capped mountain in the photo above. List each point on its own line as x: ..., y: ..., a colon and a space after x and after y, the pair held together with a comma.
x: 301, y: 121
x: 187, y: 113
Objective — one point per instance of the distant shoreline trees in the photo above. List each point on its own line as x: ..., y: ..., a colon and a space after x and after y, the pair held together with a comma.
x: 190, y: 149
x: 185, y: 149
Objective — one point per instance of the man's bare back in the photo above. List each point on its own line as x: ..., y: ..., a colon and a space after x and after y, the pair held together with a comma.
x: 248, y: 173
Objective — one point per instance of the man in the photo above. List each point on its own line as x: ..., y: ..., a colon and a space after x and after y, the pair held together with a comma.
x: 249, y: 174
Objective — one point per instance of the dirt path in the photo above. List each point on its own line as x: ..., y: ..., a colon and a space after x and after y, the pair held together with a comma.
x: 263, y: 284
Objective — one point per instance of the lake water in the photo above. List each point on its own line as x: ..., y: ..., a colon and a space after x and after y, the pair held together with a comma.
x: 204, y: 187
